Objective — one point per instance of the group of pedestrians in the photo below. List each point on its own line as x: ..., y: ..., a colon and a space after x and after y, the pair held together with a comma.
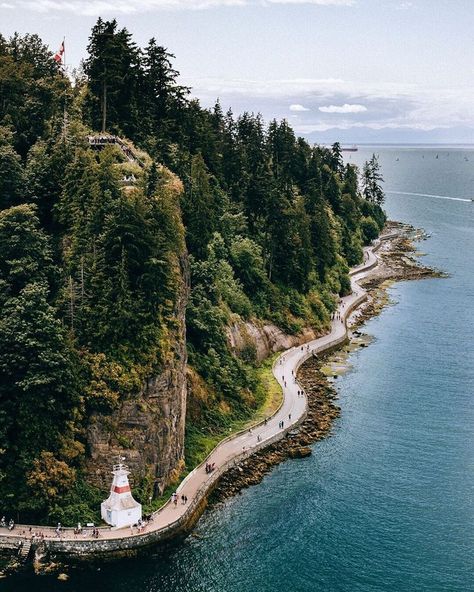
x: 141, y: 525
x: 11, y: 523
x: 210, y: 467
x: 175, y: 498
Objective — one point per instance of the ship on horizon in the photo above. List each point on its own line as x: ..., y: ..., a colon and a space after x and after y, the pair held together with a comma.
x: 352, y: 148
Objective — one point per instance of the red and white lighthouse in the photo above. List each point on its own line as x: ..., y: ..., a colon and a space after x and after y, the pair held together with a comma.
x: 120, y: 509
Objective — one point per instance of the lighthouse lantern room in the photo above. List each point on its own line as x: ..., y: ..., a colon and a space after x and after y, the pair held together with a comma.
x: 120, y: 509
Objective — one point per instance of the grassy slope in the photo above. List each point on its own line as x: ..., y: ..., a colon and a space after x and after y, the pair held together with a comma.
x: 198, y: 445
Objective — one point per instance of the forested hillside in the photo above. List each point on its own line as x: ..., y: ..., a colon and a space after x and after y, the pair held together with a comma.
x: 200, y: 220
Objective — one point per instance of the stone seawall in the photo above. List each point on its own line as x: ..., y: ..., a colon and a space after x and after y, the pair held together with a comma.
x: 119, y: 543
x: 132, y: 544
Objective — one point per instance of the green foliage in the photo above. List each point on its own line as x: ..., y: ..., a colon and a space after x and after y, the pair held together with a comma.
x: 80, y: 504
x: 12, y: 178
x: 94, y: 270
x: 372, y: 181
x: 32, y: 89
x: 112, y: 71
x: 199, y: 208
x: 370, y: 229
x: 39, y: 391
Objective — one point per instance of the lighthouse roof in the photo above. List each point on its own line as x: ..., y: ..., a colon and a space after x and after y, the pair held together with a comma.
x: 120, y: 502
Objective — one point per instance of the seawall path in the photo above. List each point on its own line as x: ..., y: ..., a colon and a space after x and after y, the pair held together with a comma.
x: 172, y: 519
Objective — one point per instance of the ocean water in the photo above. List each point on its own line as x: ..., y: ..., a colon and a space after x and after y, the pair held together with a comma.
x: 386, y: 504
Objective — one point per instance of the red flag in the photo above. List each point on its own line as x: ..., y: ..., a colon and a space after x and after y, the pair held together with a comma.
x: 58, y: 56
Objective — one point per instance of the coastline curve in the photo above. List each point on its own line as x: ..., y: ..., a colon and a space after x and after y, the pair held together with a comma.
x: 172, y: 520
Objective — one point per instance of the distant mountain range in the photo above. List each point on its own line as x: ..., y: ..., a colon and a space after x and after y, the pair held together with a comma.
x: 453, y: 135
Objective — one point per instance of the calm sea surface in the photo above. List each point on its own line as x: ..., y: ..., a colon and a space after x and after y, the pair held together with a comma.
x: 386, y: 503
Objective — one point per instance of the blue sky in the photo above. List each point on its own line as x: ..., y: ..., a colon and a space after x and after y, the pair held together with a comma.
x: 353, y: 70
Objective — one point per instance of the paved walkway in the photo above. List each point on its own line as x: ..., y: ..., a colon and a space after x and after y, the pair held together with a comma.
x: 232, y: 450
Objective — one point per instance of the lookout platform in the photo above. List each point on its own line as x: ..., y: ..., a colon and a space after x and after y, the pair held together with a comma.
x: 101, y: 141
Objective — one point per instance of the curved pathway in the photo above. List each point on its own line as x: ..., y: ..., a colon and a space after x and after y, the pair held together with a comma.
x: 292, y: 411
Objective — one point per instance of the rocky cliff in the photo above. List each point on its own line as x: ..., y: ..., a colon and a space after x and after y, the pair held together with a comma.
x: 263, y: 338
x: 148, y: 428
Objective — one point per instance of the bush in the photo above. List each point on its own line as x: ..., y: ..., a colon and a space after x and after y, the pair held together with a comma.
x: 369, y: 228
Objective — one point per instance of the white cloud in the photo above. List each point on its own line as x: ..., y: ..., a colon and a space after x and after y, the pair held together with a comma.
x: 378, y: 105
x: 295, y: 88
x: 346, y: 108
x: 297, y: 107
x: 98, y: 7
x: 315, y: 2
x: 404, y: 6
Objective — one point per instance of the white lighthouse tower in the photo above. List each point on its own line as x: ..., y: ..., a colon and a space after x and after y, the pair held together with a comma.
x: 120, y: 509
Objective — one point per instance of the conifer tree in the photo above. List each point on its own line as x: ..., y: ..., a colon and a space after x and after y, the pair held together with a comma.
x: 12, y: 177
x: 112, y: 68
x: 163, y: 98
x: 38, y: 384
x: 372, y: 181
x: 199, y: 208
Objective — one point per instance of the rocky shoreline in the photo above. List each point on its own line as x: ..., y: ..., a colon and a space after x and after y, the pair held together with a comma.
x: 398, y: 261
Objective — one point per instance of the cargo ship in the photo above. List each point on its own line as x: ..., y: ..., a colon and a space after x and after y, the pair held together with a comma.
x: 350, y: 148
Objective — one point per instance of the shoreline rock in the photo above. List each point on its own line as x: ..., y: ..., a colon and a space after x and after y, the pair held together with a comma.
x: 397, y: 263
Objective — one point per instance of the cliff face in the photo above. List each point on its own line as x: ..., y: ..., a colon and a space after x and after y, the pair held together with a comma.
x: 264, y: 338
x: 148, y: 428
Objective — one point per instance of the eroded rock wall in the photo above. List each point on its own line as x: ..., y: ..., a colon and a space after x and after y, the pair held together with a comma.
x: 148, y: 428
x: 264, y: 338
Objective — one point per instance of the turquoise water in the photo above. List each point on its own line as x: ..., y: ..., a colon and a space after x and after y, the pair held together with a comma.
x: 387, y: 502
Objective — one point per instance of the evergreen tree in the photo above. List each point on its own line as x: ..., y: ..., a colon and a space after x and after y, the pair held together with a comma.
x: 372, y: 181
x: 12, y: 177
x: 113, y: 75
x: 323, y: 242
x: 162, y: 98
x: 337, y: 162
x: 199, y: 208
x: 38, y: 384
x: 31, y: 89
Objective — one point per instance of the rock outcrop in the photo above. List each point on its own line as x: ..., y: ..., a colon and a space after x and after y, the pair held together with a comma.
x: 148, y: 428
x: 264, y: 338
